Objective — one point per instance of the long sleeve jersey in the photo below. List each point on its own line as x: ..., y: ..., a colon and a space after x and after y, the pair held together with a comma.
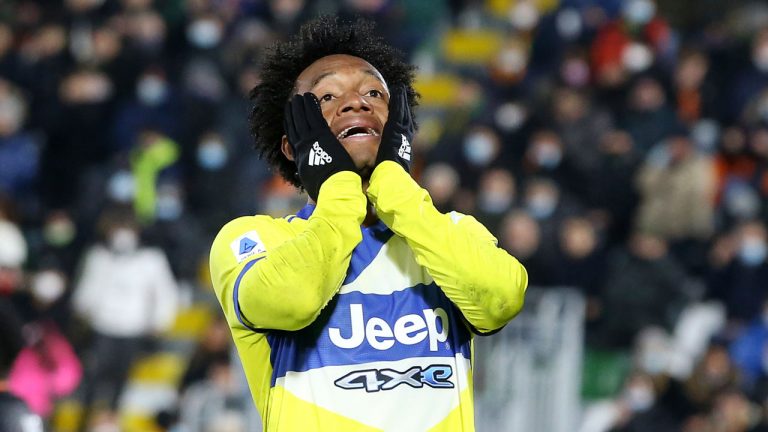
x: 346, y: 327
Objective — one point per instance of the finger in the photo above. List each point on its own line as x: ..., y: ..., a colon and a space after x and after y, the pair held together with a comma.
x: 394, y: 104
x: 402, y: 99
x: 290, y: 129
x: 407, y: 114
x: 313, y: 112
x: 297, y: 113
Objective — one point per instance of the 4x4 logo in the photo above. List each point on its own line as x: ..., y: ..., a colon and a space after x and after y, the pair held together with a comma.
x: 373, y: 380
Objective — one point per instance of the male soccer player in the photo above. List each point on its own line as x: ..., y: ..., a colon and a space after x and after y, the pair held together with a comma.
x: 358, y: 312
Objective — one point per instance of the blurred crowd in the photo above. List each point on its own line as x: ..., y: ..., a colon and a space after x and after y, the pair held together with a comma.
x: 616, y: 146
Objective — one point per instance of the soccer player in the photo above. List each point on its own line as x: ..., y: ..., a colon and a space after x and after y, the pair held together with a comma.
x: 358, y: 312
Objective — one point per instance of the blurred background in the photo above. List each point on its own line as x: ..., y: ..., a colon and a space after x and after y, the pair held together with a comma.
x: 618, y: 148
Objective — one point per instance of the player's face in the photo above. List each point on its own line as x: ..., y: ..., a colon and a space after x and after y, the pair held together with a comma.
x: 355, y: 102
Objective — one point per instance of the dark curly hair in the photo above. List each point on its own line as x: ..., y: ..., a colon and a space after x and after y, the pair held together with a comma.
x: 284, y: 62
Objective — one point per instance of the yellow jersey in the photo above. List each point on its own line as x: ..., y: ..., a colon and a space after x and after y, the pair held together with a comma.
x: 342, y: 327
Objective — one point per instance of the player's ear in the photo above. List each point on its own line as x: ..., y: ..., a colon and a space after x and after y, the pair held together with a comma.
x: 286, y: 148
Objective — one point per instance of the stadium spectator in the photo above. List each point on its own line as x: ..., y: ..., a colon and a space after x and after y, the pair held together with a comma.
x: 644, y: 286
x: 613, y: 197
x: 741, y: 278
x: 121, y: 278
x: 47, y: 368
x: 15, y: 416
x: 676, y: 183
x: 19, y: 149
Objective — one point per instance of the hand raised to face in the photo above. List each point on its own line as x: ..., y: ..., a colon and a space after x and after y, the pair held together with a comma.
x: 317, y: 152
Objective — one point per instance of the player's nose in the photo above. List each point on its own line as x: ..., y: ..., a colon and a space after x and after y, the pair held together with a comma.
x: 354, y: 102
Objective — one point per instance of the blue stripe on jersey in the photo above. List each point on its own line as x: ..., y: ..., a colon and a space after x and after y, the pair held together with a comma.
x: 374, y: 238
x: 306, y: 211
x: 235, y: 298
x: 313, y: 347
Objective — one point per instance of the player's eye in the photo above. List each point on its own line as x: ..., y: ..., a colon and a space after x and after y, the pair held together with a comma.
x: 375, y: 93
x: 326, y: 97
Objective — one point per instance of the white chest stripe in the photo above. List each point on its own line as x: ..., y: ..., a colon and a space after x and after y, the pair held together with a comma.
x: 417, y: 409
x: 393, y: 269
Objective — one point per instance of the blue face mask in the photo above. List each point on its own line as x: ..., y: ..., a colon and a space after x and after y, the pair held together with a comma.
x: 478, y: 149
x: 541, y: 206
x: 753, y: 252
x: 152, y: 91
x: 169, y: 206
x: 548, y: 156
x: 639, y: 12
x: 494, y: 202
x: 212, y: 155
x: 121, y: 187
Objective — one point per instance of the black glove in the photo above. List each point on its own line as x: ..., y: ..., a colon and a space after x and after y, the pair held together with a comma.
x: 317, y: 153
x: 398, y: 132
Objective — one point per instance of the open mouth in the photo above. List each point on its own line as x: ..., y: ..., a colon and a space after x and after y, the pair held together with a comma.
x: 356, y: 131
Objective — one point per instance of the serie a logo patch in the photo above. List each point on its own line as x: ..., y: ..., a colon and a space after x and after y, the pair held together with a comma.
x: 247, y: 245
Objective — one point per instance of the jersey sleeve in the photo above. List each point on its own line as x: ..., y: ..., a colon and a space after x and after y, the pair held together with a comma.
x: 486, y: 283
x: 267, y: 276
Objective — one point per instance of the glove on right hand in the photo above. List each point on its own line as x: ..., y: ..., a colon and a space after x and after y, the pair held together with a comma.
x: 316, y: 151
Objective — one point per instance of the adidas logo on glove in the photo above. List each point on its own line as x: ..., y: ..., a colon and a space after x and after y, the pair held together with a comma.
x: 405, y: 149
x: 318, y: 156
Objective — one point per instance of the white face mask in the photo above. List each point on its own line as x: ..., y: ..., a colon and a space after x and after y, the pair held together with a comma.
x: 639, y: 398
x: 753, y: 251
x: 152, y: 90
x: 637, y: 57
x: 47, y: 286
x: 541, y: 206
x: 548, y: 155
x: 510, y: 116
x: 169, y: 207
x: 494, y: 202
x: 569, y: 24
x: 479, y: 149
x: 212, y: 155
x: 639, y: 12
x: 204, y: 33
x: 524, y: 16
x: 121, y: 186
x: 124, y: 240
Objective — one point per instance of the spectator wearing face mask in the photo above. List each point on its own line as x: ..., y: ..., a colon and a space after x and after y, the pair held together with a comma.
x: 677, y: 189
x: 578, y: 122
x: 481, y: 147
x: 496, y: 195
x: 636, y: 409
x: 751, y: 79
x: 213, y: 174
x: 47, y: 369
x: 544, y: 157
x: 741, y: 282
x: 155, y: 106
x: 126, y: 293
x: 546, y: 202
x: 15, y: 416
